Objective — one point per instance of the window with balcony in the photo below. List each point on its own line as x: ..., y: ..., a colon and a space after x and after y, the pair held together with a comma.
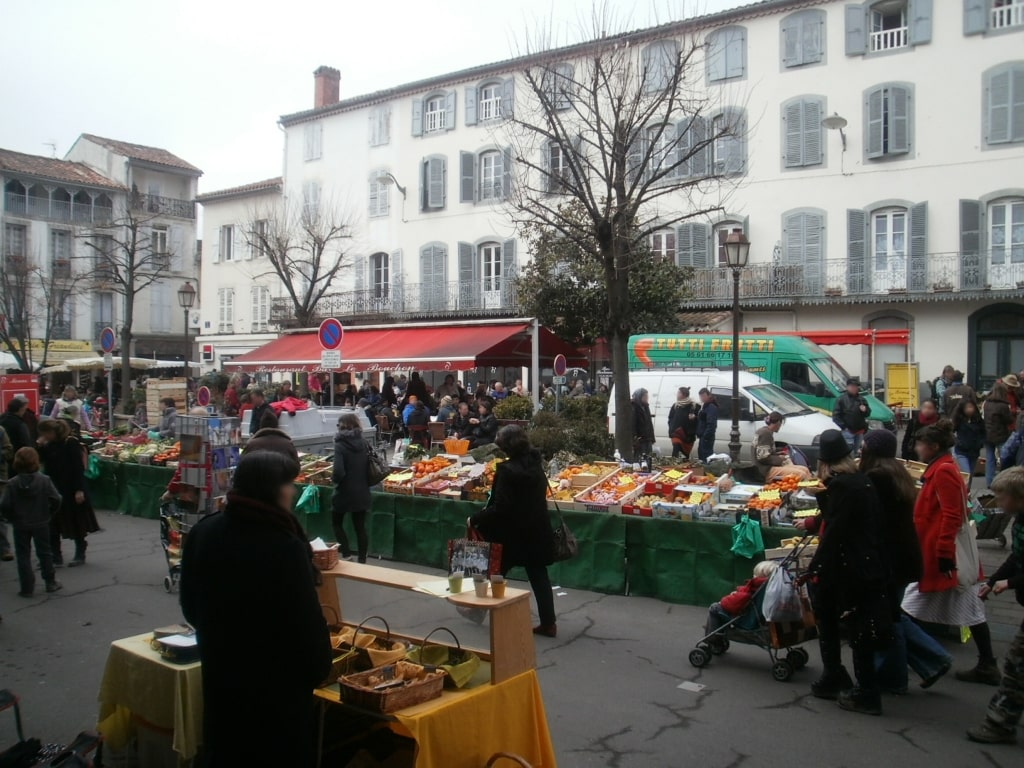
x: 802, y: 133
x: 380, y: 275
x: 489, y: 104
x: 260, y: 310
x: 102, y: 250
x: 60, y: 253
x: 726, y: 54
x: 887, y: 26
x: 1004, y: 104
x: 261, y: 238
x: 227, y: 243
x: 433, y: 183
x: 102, y: 312
x: 981, y: 16
x: 663, y: 245
x: 159, y: 248
x: 15, y: 245
x: 664, y: 157
x: 433, y: 114
x: 380, y: 200
x: 803, y: 249
x: 433, y: 277
x: 490, y: 269
x: 226, y: 310
x: 484, y: 176
x: 889, y: 241
x: 888, y: 118
x: 692, y: 239
x: 1006, y: 231
x: 887, y: 250
x: 63, y: 312
x: 803, y: 38
x: 729, y: 143
x: 491, y: 176
x: 485, y: 274
x: 659, y: 62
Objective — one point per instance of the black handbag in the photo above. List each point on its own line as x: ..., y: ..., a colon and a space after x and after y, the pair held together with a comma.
x: 566, y: 545
x: 376, y: 467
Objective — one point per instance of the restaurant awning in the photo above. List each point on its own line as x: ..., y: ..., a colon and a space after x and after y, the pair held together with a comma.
x: 448, y: 347
x: 859, y: 336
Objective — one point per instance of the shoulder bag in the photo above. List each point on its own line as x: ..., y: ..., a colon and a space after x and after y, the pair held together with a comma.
x: 968, y: 561
x: 566, y: 545
x: 376, y: 467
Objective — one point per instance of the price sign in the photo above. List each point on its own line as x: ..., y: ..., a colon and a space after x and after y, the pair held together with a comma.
x: 330, y: 359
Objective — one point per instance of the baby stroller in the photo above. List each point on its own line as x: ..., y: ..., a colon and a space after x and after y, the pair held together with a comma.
x: 990, y: 520
x: 175, y: 523
x: 751, y: 628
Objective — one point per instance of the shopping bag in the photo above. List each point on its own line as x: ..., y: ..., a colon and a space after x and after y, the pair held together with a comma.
x: 376, y: 468
x: 746, y: 538
x: 566, y: 545
x: 309, y: 501
x: 781, y: 598
x: 968, y: 564
x: 474, y: 557
x: 92, y: 469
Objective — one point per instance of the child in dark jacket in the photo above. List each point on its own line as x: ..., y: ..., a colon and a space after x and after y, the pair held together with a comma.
x: 738, y: 601
x: 29, y: 501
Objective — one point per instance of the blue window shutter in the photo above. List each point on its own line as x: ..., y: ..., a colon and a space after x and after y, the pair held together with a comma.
x: 684, y: 245
x: 736, y: 161
x: 856, y: 251
x: 812, y: 35
x: 794, y: 240
x: 700, y: 235
x: 856, y: 30
x: 919, y: 247
x: 417, y: 117
x: 471, y: 105
x: 975, y: 17
x: 449, y: 111
x: 508, y: 97
x: 435, y: 181
x: 791, y: 48
x: 920, y: 21
x: 635, y: 155
x: 397, y: 278
x: 506, y: 173
x: 736, y: 53
x: 714, y: 51
x: 814, y: 252
x: 700, y: 148
x: 361, y: 265
x: 793, y: 121
x: 998, y: 97
x: 972, y: 248
x: 469, y: 278
x: 899, y: 120
x: 508, y: 258
x: 1017, y: 103
x: 467, y: 177
x: 875, y: 120
x: 813, y: 144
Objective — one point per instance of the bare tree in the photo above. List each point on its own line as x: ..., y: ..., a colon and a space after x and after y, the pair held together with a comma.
x: 624, y: 128
x: 305, y: 247
x: 32, y: 300
x: 125, y: 259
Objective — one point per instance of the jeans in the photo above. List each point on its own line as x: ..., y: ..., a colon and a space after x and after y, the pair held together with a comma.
x: 717, y: 617
x: 914, y: 647
x: 992, y: 452
x: 24, y: 538
x: 705, y: 448
x: 967, y: 461
x: 359, y: 523
x: 853, y: 440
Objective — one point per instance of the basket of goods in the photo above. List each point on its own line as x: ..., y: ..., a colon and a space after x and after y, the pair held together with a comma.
x: 325, y: 559
x: 392, y: 687
x: 372, y: 650
x: 342, y: 659
x: 459, y: 664
x: 456, y: 447
x: 400, y: 482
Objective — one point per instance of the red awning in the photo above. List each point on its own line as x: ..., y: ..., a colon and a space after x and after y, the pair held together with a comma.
x: 864, y: 336
x: 420, y: 347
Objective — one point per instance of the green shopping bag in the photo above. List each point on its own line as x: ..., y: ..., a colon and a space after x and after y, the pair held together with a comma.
x: 309, y: 501
x: 746, y: 538
x: 92, y: 471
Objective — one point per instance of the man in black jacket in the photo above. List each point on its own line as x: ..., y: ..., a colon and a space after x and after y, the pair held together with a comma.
x: 851, y: 414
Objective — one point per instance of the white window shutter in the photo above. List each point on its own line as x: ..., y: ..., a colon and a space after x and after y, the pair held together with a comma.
x: 374, y: 189
x: 179, y: 250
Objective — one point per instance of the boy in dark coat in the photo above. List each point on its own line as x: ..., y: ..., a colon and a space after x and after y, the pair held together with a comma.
x: 29, y: 501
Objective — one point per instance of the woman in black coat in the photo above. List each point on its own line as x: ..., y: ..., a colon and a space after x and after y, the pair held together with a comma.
x: 63, y: 459
x: 247, y: 572
x: 270, y: 437
x: 484, y: 428
x: 517, y: 518
x: 351, y: 485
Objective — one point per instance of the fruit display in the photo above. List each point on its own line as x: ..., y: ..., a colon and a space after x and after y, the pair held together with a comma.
x: 613, y: 490
x: 646, y: 502
x: 429, y: 467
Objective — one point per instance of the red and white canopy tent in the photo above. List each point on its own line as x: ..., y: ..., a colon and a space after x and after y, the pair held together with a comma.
x: 455, y: 346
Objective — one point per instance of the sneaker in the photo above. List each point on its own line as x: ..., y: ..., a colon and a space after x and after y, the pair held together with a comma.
x: 829, y: 686
x: 547, y: 630
x: 990, y: 733
x: 54, y: 586
x: 928, y: 682
x: 986, y: 673
x: 859, y: 700
x: 76, y: 562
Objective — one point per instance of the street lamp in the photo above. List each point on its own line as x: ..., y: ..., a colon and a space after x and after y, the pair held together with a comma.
x: 186, y: 298
x: 737, y: 251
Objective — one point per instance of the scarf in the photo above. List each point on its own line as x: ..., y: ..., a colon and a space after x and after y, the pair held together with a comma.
x: 925, y: 421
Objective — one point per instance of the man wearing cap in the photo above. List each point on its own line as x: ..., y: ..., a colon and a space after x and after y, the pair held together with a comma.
x: 851, y: 414
x: 1014, y: 396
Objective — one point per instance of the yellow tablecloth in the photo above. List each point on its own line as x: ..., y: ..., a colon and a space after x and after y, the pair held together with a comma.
x: 466, y: 727
x: 165, y: 695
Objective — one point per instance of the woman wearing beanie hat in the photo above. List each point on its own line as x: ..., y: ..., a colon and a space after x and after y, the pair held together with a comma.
x: 848, y: 577
x: 938, y: 514
x: 897, y: 493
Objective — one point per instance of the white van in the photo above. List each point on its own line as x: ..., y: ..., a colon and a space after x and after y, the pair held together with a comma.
x: 758, y: 398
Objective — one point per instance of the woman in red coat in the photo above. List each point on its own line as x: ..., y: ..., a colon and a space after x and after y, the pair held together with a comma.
x: 938, y: 515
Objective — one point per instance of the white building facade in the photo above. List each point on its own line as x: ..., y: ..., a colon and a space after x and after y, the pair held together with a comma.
x: 53, y: 209
x: 238, y: 282
x: 911, y: 215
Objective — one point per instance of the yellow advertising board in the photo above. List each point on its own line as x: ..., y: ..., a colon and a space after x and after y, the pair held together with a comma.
x: 901, y: 384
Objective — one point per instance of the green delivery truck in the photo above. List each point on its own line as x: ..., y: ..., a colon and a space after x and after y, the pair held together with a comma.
x: 793, y: 363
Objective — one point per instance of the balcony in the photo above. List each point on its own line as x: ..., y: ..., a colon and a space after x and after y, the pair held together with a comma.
x: 408, y: 302
x: 164, y: 206
x: 60, y: 331
x: 56, y: 210
x: 888, y: 39
x: 61, y: 269
x: 1010, y: 14
x: 938, y: 277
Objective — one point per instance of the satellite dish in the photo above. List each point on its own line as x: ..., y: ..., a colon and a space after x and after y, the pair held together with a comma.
x: 834, y: 122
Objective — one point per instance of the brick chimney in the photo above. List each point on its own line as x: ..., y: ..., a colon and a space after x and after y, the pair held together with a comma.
x: 326, y: 87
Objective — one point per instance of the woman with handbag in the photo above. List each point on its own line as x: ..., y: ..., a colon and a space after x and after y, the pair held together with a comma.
x: 517, y: 518
x: 946, y: 593
x: 351, y: 485
x: 62, y: 457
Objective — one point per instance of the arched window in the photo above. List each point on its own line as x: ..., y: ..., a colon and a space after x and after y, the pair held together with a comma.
x: 434, y: 114
x: 489, y: 105
x: 1006, y: 230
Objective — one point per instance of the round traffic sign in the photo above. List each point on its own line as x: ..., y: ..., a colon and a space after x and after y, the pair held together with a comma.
x: 331, y: 333
x: 107, y: 340
x: 560, y: 366
x: 203, y: 396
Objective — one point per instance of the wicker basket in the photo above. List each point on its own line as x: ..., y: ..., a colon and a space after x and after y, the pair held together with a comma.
x: 360, y: 690
x: 459, y: 664
x: 372, y: 650
x: 521, y: 762
x: 325, y: 559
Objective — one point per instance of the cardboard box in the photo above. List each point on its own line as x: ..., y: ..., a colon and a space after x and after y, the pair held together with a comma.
x: 670, y: 511
x: 629, y: 509
x: 740, y: 494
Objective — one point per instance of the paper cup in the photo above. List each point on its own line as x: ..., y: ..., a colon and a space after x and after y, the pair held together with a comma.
x: 498, y: 586
x: 480, y: 585
x: 455, y: 583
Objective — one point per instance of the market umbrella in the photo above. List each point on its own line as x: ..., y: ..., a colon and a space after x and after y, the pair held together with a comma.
x: 88, y: 363
x: 7, y: 360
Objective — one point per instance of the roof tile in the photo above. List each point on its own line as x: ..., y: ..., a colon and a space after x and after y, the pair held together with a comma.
x: 266, y: 185
x: 53, y: 169
x: 142, y: 152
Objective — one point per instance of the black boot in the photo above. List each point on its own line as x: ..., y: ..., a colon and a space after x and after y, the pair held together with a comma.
x: 859, y: 700
x: 79, y: 559
x: 831, y: 684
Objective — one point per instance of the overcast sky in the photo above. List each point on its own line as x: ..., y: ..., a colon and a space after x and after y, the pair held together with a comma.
x: 208, y: 79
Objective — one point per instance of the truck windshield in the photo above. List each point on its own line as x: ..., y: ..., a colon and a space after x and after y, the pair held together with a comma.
x: 775, y: 399
x: 832, y: 371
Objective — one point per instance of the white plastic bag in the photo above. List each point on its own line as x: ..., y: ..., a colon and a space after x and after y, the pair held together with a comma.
x: 781, y: 598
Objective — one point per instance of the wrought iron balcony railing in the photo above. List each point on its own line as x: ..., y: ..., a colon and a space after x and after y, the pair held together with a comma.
x: 57, y: 210
x: 166, y: 206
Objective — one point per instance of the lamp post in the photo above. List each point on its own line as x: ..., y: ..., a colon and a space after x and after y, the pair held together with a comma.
x: 186, y: 298
x: 737, y: 251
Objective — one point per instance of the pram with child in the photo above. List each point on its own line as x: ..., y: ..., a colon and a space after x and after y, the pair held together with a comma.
x: 740, y: 618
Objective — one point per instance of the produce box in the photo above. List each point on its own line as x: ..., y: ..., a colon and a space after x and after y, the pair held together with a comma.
x: 608, y: 496
x: 740, y: 494
x: 637, y: 510
x: 643, y: 504
x: 672, y: 511
x: 666, y: 481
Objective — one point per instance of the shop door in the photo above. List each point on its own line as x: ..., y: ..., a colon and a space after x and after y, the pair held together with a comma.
x: 999, y: 345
